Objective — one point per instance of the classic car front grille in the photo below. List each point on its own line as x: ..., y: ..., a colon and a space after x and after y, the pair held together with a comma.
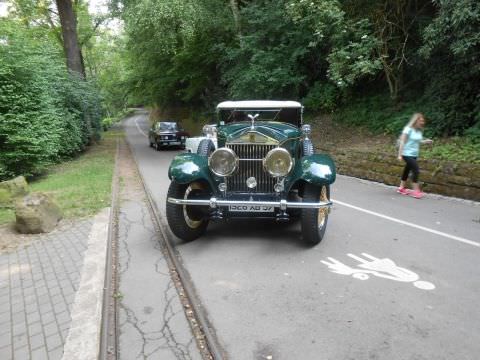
x: 250, y: 164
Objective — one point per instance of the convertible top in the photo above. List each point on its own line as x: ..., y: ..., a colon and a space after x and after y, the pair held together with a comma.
x: 258, y: 104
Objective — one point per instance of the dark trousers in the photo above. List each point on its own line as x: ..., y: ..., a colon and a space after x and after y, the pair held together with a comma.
x: 410, y: 165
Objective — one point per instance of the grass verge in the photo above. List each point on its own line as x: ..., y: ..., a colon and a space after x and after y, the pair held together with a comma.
x: 82, y: 186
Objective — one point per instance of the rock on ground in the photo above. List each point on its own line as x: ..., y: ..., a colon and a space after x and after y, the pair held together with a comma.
x: 12, y: 188
x: 36, y: 213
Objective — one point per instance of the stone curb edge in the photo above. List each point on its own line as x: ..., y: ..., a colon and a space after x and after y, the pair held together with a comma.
x: 83, y: 339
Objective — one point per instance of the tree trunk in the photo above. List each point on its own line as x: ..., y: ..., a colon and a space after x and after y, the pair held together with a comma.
x: 71, y: 46
x: 236, y: 17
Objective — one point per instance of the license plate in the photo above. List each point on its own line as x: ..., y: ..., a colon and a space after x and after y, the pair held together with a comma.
x: 251, y: 208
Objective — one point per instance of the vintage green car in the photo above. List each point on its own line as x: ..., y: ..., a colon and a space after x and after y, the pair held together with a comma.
x: 264, y: 166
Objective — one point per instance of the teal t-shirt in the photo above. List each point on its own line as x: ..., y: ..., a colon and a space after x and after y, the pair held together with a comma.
x: 412, y: 144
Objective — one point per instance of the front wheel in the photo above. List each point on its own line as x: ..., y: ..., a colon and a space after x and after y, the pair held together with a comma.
x: 314, y: 221
x: 186, y: 222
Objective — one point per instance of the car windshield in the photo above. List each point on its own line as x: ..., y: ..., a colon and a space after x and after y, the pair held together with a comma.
x: 289, y: 115
x: 167, y: 126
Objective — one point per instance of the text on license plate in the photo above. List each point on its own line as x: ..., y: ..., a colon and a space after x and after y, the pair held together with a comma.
x: 252, y: 208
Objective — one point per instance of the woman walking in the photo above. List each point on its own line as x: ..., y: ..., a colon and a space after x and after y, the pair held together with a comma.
x: 412, y: 136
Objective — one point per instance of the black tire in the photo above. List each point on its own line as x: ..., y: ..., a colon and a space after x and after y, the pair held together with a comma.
x: 295, y: 214
x: 157, y: 146
x: 186, y: 222
x: 308, y: 148
x: 314, y: 221
x: 206, y: 147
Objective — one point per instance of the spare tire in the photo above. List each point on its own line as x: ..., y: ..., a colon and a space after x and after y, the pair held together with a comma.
x: 206, y: 147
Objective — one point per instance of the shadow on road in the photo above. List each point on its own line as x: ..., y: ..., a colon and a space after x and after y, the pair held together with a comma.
x: 262, y: 231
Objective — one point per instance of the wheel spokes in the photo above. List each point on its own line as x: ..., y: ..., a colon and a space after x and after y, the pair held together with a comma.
x: 322, y: 212
x: 191, y: 222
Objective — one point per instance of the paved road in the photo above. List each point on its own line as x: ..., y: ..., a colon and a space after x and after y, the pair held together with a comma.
x: 151, y: 321
x: 270, y: 297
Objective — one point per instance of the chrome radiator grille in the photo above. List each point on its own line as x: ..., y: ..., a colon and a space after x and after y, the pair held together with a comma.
x: 250, y: 164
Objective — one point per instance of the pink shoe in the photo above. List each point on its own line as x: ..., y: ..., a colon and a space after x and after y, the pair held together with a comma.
x: 417, y: 194
x: 403, y: 191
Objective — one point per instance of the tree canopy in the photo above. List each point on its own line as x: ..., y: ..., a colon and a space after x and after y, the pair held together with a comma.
x: 324, y: 52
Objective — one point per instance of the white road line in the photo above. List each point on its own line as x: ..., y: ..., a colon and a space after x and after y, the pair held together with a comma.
x: 453, y: 237
x: 139, y: 129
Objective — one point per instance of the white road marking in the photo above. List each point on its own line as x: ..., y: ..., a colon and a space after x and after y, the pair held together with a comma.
x: 436, y: 232
x: 382, y: 268
x: 139, y: 129
x: 424, y: 285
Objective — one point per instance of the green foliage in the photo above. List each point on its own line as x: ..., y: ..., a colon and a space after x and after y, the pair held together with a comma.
x: 172, y: 49
x: 349, y: 45
x: 378, y: 114
x: 473, y: 133
x: 268, y: 61
x: 323, y: 97
x: 452, y: 49
x: 353, y: 55
x: 457, y: 149
x: 106, y: 63
x: 328, y: 52
x: 455, y: 30
x: 107, y: 123
x: 45, y: 114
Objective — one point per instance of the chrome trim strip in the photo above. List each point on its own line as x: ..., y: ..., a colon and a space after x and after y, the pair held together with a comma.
x: 282, y: 204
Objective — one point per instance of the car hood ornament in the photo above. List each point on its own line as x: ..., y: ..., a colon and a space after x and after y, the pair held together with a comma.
x: 253, y: 118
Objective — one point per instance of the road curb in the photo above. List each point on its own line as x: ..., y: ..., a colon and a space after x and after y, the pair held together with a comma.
x: 83, y: 340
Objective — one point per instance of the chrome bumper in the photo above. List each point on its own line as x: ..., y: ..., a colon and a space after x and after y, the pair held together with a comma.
x: 282, y: 204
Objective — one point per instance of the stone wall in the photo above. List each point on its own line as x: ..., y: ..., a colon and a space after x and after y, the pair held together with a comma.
x: 440, y: 177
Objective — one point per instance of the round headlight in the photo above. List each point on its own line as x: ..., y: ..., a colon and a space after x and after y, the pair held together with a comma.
x: 223, y: 162
x: 278, y: 162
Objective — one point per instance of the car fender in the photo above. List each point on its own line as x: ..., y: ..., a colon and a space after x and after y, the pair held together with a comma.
x: 188, y: 167
x: 317, y: 169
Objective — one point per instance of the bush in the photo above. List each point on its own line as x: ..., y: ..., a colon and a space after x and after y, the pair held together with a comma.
x: 324, y: 97
x: 45, y: 114
x: 473, y: 133
x: 107, y: 123
x: 381, y: 115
